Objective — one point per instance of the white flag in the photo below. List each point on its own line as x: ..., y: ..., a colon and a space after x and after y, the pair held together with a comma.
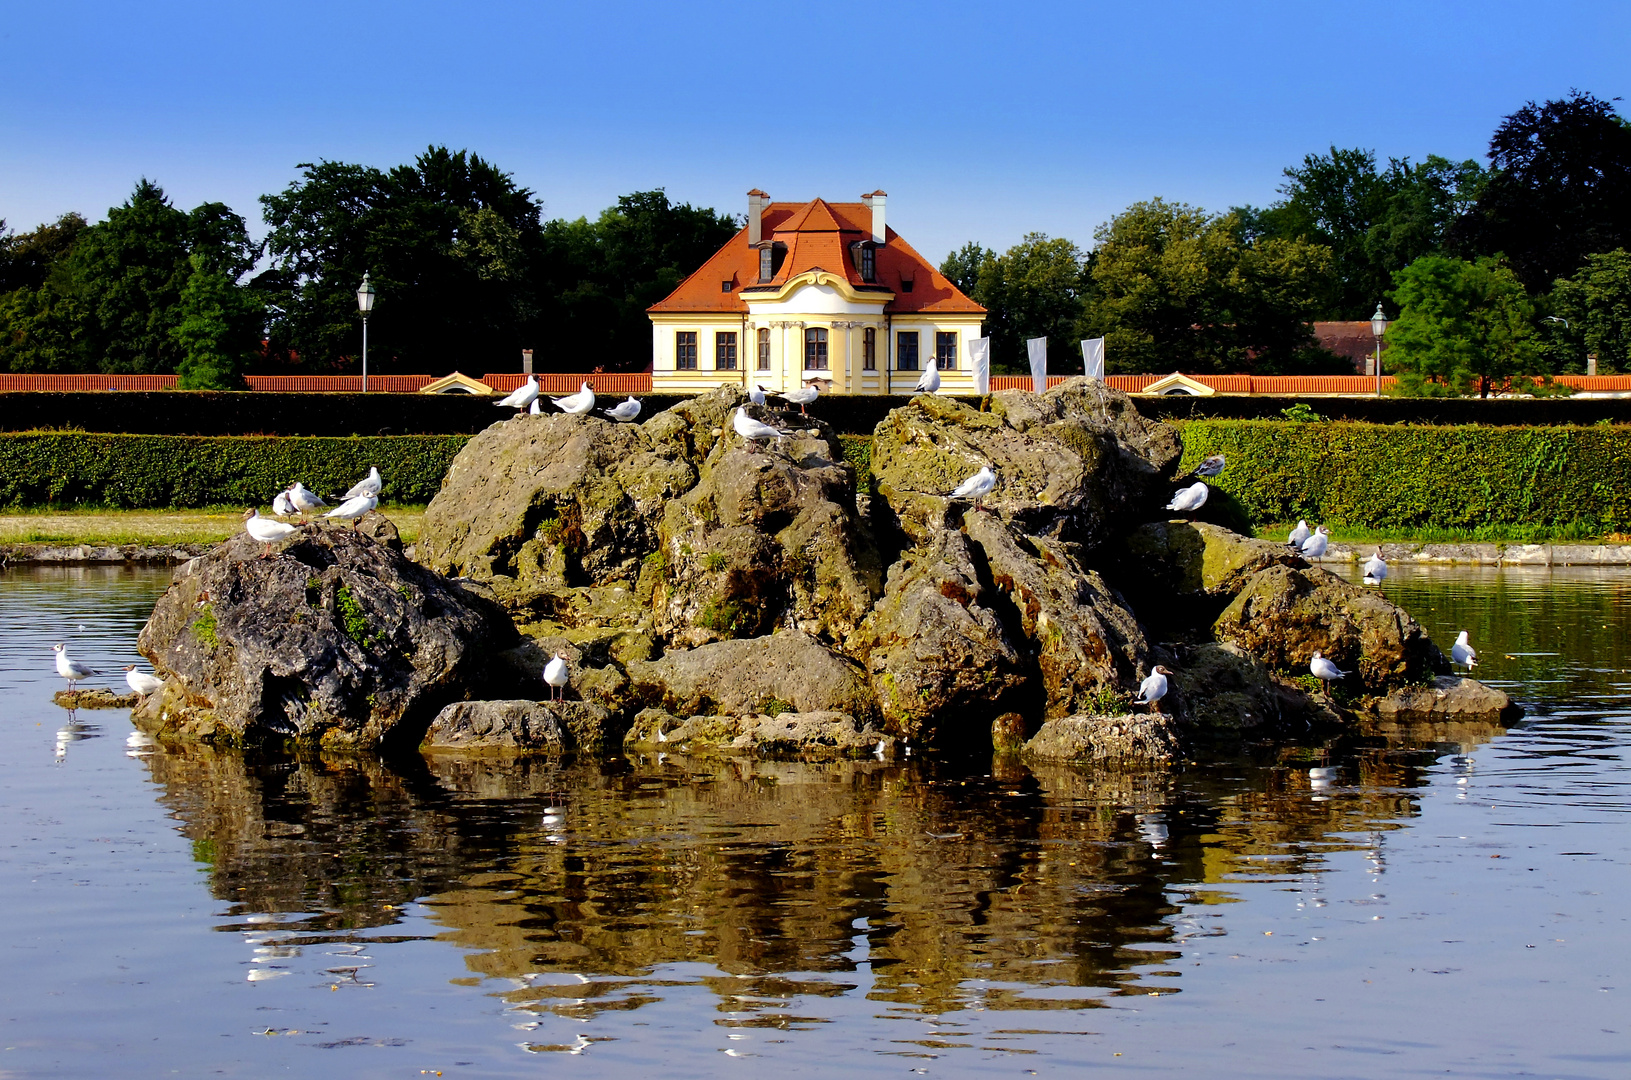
x: 1093, y: 357
x: 979, y: 356
x: 1037, y: 347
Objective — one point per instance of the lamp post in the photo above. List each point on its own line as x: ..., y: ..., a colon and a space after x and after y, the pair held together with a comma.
x: 365, y: 304
x: 1378, y: 327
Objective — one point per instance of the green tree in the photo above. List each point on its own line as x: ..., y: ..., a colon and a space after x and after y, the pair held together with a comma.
x: 27, y: 259
x: 962, y: 267
x: 218, y: 329
x: 1037, y: 288
x: 1596, y: 305
x: 1461, y: 325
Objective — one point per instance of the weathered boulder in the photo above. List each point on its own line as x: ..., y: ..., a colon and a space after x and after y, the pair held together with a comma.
x: 811, y: 734
x: 518, y: 726
x: 595, y: 662
x: 1448, y: 699
x: 1073, y: 463
x: 939, y: 657
x: 1185, y: 562
x: 336, y: 638
x: 96, y: 698
x: 1284, y: 614
x: 1083, y: 637
x: 785, y: 670
x: 1128, y: 739
x: 1221, y: 691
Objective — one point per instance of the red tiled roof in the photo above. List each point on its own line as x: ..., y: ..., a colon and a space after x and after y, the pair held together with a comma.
x: 817, y: 235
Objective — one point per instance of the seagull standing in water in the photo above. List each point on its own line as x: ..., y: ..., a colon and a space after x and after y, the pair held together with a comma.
x: 929, y: 381
x: 753, y: 430
x: 1315, y: 545
x: 1325, y: 671
x: 266, y: 530
x: 1375, y: 569
x: 521, y: 397
x: 624, y: 411
x: 69, y: 669
x: 1461, y: 652
x: 1190, y: 499
x: 555, y: 674
x: 577, y: 404
x: 1153, y: 689
x: 977, y: 486
x: 1299, y: 535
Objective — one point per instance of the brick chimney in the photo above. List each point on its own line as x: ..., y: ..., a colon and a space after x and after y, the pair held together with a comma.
x: 757, y: 201
x: 874, y: 201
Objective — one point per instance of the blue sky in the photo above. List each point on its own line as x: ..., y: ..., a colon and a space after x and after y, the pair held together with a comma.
x: 983, y: 121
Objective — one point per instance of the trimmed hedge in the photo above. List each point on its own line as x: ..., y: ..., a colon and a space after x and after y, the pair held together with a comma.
x: 132, y: 471
x: 1392, y: 410
x: 1383, y: 475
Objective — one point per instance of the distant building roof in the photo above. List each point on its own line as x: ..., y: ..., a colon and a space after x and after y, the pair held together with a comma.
x: 1351, y: 340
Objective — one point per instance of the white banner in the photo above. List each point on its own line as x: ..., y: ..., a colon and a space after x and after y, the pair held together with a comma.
x: 1093, y: 357
x: 1037, y: 347
x: 979, y: 357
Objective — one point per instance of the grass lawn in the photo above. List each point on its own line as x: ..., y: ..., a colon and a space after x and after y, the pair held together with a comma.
x: 53, y: 526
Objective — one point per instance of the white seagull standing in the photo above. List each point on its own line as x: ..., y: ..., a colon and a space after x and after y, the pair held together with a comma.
x: 1153, y: 689
x: 555, y: 674
x: 368, y: 485
x: 1190, y: 499
x: 266, y: 530
x: 282, y: 505
x: 803, y: 396
x: 1461, y: 652
x: 70, y: 670
x: 576, y: 404
x: 304, y: 500
x: 141, y: 681
x: 353, y: 509
x: 976, y: 487
x: 929, y: 381
x: 753, y: 430
x: 535, y: 409
x: 624, y: 411
x: 1315, y: 545
x: 1325, y: 671
x: 757, y: 394
x: 1375, y: 569
x: 1212, y: 466
x: 1298, y: 535
x: 521, y: 397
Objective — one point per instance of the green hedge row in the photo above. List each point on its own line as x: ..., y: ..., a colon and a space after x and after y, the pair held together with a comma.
x: 1403, y: 476
x: 38, y: 468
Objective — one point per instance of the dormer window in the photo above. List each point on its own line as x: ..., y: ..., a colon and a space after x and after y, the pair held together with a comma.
x: 865, y: 256
x: 770, y: 260
x: 906, y: 283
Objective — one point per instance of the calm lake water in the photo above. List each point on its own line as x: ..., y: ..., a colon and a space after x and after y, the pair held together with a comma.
x: 1450, y: 903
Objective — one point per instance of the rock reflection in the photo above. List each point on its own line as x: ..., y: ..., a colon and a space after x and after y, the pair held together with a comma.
x: 593, y: 886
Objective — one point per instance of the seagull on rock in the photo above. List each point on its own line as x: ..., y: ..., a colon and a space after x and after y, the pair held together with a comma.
x: 977, y: 487
x: 577, y: 404
x: 368, y: 485
x: 141, y: 681
x: 803, y: 396
x: 1325, y: 671
x: 1375, y: 569
x: 1314, y: 547
x: 753, y: 430
x: 304, y: 500
x: 1212, y: 466
x: 282, y: 505
x: 1298, y: 535
x: 757, y: 394
x: 1153, y: 689
x: 624, y: 411
x: 555, y: 674
x: 929, y: 381
x: 535, y: 409
x: 523, y: 396
x: 1461, y: 652
x: 353, y: 509
x: 1190, y: 499
x: 266, y: 530
x: 71, y: 670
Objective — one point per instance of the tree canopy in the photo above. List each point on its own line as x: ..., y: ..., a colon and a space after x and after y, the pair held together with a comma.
x: 1461, y: 326
x: 1594, y: 309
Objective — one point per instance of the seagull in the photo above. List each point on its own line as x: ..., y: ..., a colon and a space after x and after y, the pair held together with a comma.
x: 1323, y: 670
x: 1315, y: 545
x: 624, y: 411
x: 1375, y: 569
x: 1298, y: 535
x: 803, y: 396
x: 751, y: 429
x: 68, y: 669
x: 368, y: 485
x: 1212, y: 466
x: 555, y: 675
x: 929, y: 382
x: 352, y: 509
x: 304, y: 500
x: 1153, y: 689
x: 1190, y: 499
x: 576, y: 404
x: 282, y: 505
x: 266, y: 530
x: 1461, y: 653
x: 977, y: 486
x: 522, y: 397
x: 141, y: 682
x: 535, y: 409
x: 757, y: 394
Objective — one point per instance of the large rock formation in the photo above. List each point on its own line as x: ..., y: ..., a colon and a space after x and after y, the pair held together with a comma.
x: 786, y: 671
x: 335, y: 639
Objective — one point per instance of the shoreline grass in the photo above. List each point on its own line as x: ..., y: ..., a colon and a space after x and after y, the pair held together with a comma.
x: 96, y: 525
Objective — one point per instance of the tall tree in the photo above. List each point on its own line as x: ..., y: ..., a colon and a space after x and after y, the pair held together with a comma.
x: 27, y: 259
x: 1560, y: 189
x: 1036, y: 288
x: 1595, y: 307
x: 1462, y: 326
x: 218, y: 328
